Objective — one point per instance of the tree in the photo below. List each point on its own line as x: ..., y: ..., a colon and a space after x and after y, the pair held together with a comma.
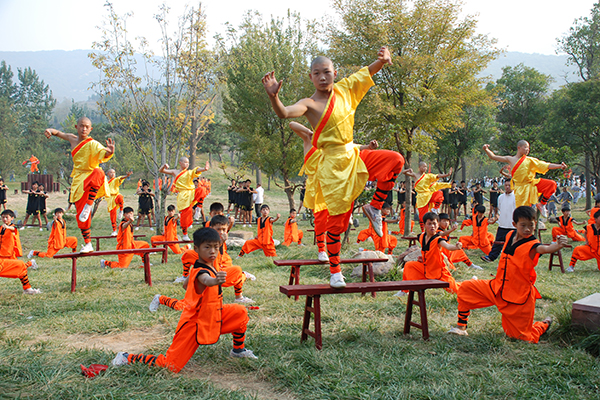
x: 284, y: 46
x: 582, y: 44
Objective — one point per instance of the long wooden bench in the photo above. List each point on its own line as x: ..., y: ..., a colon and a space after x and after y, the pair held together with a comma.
x: 295, y: 265
x: 145, y: 255
x: 97, y: 238
x: 166, y: 243
x: 313, y: 295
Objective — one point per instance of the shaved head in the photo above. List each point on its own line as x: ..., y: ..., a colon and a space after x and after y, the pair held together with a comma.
x: 522, y: 143
x: 184, y: 160
x: 321, y: 60
x: 422, y: 163
x: 84, y: 120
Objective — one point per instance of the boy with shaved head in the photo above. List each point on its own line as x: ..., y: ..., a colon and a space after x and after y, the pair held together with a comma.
x: 88, y: 178
x: 114, y: 198
x: 184, y: 185
x: 526, y: 186
x: 341, y: 168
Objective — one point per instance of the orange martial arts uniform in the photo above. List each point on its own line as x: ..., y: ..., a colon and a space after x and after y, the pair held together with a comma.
x: 88, y: 179
x: 291, y: 233
x: 200, y: 194
x: 401, y: 223
x: 386, y: 242
x: 34, y: 161
x: 10, y: 249
x: 58, y: 240
x: 114, y: 199
x: 526, y: 186
x: 184, y: 185
x: 566, y: 228
x: 170, y: 234
x: 480, y: 238
x: 512, y: 291
x: 263, y: 239
x: 592, y: 212
x: 429, y: 194
x: 591, y: 249
x: 125, y: 241
x: 455, y: 256
x: 433, y: 266
x: 15, y: 269
x: 203, y: 320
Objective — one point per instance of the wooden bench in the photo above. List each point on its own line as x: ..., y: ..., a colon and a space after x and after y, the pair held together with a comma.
x: 146, y: 257
x: 313, y: 295
x: 558, y: 255
x: 315, y: 236
x: 97, y: 238
x: 412, y: 240
x: 295, y: 265
x: 166, y: 243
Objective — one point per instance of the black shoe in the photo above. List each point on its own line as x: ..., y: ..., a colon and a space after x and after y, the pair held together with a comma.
x: 486, y: 259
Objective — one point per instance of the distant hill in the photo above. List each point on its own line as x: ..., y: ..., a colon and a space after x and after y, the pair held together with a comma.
x: 70, y: 73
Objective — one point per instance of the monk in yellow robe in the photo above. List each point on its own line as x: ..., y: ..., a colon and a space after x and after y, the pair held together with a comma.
x: 184, y: 185
x: 429, y: 190
x: 342, y: 169
x: 114, y: 198
x: 528, y: 189
x: 89, y: 180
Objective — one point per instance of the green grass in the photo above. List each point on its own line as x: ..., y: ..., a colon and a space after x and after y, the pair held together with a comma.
x: 44, y: 338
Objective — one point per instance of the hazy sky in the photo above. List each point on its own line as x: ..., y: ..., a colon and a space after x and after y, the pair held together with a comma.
x: 530, y: 26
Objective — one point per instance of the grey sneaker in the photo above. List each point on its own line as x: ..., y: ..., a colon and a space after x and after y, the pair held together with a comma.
x: 374, y: 215
x: 179, y: 279
x: 32, y: 291
x: 457, y: 331
x: 475, y: 266
x: 244, y: 300
x: 249, y: 275
x: 34, y: 265
x: 243, y: 354
x: 154, y: 303
x: 337, y: 281
x: 322, y: 256
x: 570, y: 269
x: 120, y: 359
x: 30, y: 255
x: 102, y: 263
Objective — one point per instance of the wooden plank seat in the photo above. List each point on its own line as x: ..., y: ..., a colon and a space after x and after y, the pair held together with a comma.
x: 97, y: 238
x: 412, y: 240
x: 166, y: 243
x: 313, y: 295
x: 295, y: 265
x: 145, y: 255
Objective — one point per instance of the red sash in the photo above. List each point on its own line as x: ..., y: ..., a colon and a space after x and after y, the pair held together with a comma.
x: 177, y: 177
x: 517, y: 165
x: 310, y: 153
x: 325, y: 119
x: 79, y: 146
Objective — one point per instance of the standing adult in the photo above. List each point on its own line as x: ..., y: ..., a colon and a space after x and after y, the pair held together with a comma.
x: 259, y: 198
x: 506, y: 206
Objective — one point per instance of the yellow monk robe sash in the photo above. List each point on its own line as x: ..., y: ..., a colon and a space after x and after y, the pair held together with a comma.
x: 523, y: 180
x: 426, y: 186
x: 313, y: 198
x: 87, y: 156
x: 113, y: 191
x: 340, y: 174
x: 184, y: 185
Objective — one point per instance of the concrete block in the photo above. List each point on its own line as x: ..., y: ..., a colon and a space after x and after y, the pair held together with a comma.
x: 586, y: 312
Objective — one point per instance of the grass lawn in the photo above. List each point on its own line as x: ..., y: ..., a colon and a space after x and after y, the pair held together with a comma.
x: 44, y: 338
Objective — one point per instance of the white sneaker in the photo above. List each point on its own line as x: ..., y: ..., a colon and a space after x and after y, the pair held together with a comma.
x: 179, y: 280
x: 137, y: 228
x: 374, y: 215
x: 85, y: 213
x: 570, y: 269
x: 22, y: 228
x: 102, y: 263
x: 154, y: 303
x: 151, y: 228
x: 186, y: 238
x: 401, y: 293
x: 457, y: 331
x: 337, y: 281
x: 544, y: 211
x: 474, y: 277
x: 115, y: 233
x: 322, y: 256
x: 30, y: 255
x: 435, y: 210
x: 86, y: 248
x: 243, y: 354
x: 120, y: 216
x: 34, y: 265
x: 244, y: 300
x: 249, y: 275
x: 41, y: 229
x: 120, y: 359
x: 32, y: 291
x: 475, y: 266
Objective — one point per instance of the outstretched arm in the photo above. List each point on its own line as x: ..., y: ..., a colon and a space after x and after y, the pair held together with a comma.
x: 272, y: 87
x: 165, y: 170
x: 490, y: 154
x: 275, y: 219
x: 561, y: 242
x: 69, y: 137
x: 371, y: 146
x: 558, y: 166
x: 451, y: 247
x: 383, y: 57
x: 206, y: 167
x: 439, y: 176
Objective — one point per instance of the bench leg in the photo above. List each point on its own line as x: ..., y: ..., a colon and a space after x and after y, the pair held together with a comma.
x: 409, y: 310
x: 97, y: 244
x: 550, y: 264
x: 165, y: 256
x: 560, y: 261
x: 314, y: 238
x: 294, y: 278
x: 423, y: 312
x: 316, y: 310
x: 147, y: 275
x: 73, y: 274
x: 368, y: 269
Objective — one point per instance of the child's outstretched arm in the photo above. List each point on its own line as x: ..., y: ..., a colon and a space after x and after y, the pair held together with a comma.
x: 165, y: 170
x: 383, y: 58
x: 371, y: 146
x: 272, y: 87
x: 275, y: 219
x: 439, y: 176
x: 561, y: 241
x: 207, y: 280
x: 490, y: 154
x: 69, y: 137
x: 451, y: 247
x: 206, y: 167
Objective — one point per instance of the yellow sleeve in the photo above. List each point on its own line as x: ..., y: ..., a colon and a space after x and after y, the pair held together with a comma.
x: 539, y: 166
x: 356, y: 85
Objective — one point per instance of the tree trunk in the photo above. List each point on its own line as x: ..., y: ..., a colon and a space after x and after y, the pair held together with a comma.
x: 588, y: 183
x: 269, y: 183
x: 289, y: 191
x: 258, y: 176
x: 408, y: 198
x: 463, y: 169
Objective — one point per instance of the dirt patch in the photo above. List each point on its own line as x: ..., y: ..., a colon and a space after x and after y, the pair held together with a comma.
x: 132, y: 341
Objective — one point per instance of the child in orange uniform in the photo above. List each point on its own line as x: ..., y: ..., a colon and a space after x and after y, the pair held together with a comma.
x: 480, y: 238
x: 385, y: 243
x: 200, y: 193
x: 431, y: 263
x: 170, y: 230
x: 88, y: 178
x: 593, y: 210
x: 205, y: 317
x: 291, y: 232
x: 125, y: 241
x: 512, y: 291
x: 457, y: 255
x: 591, y: 249
x: 10, y: 249
x: 401, y: 221
x: 58, y: 239
x: 264, y: 236
x: 114, y: 199
x: 565, y: 226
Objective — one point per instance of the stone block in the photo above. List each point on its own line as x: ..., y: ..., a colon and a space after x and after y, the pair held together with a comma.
x: 586, y: 312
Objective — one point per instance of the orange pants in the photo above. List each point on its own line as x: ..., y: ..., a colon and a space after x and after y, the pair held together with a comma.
x: 380, y: 243
x: 437, y: 198
x: 255, y: 244
x: 91, y: 184
x: 517, y: 320
x: 546, y: 188
x: 113, y: 213
x: 186, y: 219
x: 175, y: 304
x: 234, y: 320
x: 125, y: 259
x: 584, y: 253
x: 161, y: 238
x: 289, y: 238
x: 52, y: 250
x: 415, y: 270
x: 401, y: 226
x: 333, y: 226
x: 468, y: 243
x: 15, y: 269
x: 457, y: 256
x: 384, y: 166
x: 557, y: 231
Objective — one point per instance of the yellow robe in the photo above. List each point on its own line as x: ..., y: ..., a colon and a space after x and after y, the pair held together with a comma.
x: 426, y: 186
x: 184, y: 185
x: 313, y: 198
x: 113, y: 191
x: 523, y: 180
x: 87, y: 156
x: 340, y: 174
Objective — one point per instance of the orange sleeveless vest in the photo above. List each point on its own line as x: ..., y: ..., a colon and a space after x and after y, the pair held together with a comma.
x: 432, y: 256
x: 593, y: 238
x: 125, y: 237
